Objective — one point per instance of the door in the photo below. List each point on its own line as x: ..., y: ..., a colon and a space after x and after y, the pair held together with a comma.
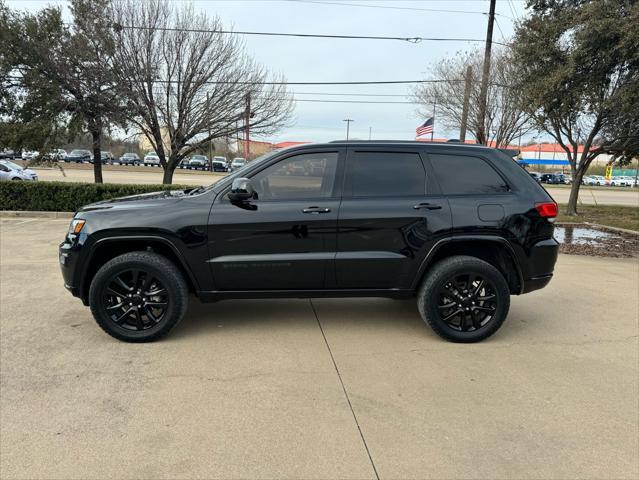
x: 285, y: 238
x: 391, y: 216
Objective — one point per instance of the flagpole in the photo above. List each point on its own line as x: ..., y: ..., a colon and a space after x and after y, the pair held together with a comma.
x: 432, y: 132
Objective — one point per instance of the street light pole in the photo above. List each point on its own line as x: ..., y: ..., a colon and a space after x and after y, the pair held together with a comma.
x: 348, y: 125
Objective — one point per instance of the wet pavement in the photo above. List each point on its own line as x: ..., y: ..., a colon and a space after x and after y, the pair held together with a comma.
x: 590, y: 240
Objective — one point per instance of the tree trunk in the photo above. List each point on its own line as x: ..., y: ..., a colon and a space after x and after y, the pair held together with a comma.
x: 169, y: 169
x: 96, y: 135
x: 577, y: 177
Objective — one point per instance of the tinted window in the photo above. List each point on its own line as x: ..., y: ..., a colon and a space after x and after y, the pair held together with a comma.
x: 387, y: 174
x: 461, y: 174
x: 304, y: 176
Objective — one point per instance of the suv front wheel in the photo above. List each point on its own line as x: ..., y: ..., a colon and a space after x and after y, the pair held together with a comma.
x: 464, y: 299
x: 138, y: 296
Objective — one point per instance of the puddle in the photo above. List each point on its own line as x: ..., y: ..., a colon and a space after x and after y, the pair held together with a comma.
x: 587, y: 240
x: 570, y: 235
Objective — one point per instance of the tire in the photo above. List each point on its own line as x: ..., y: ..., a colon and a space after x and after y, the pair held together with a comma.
x: 18, y: 179
x: 479, y: 315
x: 161, y: 283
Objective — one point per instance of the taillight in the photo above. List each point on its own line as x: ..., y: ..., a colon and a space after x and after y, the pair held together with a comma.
x: 547, y: 210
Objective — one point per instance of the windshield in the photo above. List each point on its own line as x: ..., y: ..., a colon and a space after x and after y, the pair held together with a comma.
x: 77, y: 152
x: 198, y: 157
x: 12, y: 165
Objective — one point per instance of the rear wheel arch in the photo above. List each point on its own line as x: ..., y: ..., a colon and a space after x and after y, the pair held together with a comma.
x: 106, y: 249
x: 494, y: 250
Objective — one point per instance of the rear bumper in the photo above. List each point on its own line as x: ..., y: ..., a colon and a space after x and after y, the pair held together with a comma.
x: 541, y: 261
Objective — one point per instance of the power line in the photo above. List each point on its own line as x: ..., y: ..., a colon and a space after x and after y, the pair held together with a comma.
x: 414, y: 9
x: 352, y: 94
x: 377, y: 82
x: 118, y: 27
x: 351, y: 101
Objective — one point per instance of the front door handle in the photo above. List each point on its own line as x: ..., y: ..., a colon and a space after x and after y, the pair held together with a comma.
x: 427, y: 206
x: 316, y: 210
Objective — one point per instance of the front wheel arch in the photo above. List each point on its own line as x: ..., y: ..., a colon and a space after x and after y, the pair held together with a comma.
x: 106, y: 249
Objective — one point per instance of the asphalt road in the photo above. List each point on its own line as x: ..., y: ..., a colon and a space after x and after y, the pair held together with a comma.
x: 350, y: 388
x: 117, y: 174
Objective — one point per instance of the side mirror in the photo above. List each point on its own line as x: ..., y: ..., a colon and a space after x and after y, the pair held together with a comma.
x: 241, y: 190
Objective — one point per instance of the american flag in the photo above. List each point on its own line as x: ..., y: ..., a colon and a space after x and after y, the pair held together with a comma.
x: 426, y: 128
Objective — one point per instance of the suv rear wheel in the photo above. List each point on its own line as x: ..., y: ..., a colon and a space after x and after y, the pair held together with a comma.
x: 138, y: 296
x: 464, y: 299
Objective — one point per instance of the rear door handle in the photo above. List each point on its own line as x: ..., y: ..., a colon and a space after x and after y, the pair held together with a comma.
x: 316, y: 210
x: 427, y: 206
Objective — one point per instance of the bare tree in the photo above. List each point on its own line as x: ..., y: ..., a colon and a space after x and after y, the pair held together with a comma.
x: 186, y: 88
x: 505, y: 118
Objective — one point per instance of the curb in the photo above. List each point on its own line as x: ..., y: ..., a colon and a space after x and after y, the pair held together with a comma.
x: 598, y: 225
x: 34, y: 214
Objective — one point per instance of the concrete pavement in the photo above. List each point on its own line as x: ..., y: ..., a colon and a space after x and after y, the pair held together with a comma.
x: 333, y: 388
x: 122, y: 174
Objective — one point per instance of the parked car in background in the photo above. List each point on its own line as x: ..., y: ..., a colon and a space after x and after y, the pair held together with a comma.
x: 198, y: 162
x: 218, y: 164
x: 151, y: 160
x: 57, y: 154
x: 29, y: 154
x: 13, y: 171
x: 129, y: 158
x: 237, y: 163
x: 79, y: 156
x: 7, y: 154
x: 106, y: 157
x: 536, y: 176
x: 594, y: 180
x: 555, y: 179
x: 630, y: 181
x: 184, y: 163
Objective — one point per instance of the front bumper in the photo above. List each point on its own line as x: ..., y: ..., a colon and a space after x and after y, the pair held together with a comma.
x: 68, y: 259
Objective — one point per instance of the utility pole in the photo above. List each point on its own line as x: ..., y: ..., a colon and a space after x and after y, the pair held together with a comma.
x: 481, y: 119
x: 247, y: 121
x: 208, y: 122
x: 464, y: 119
x: 348, y: 125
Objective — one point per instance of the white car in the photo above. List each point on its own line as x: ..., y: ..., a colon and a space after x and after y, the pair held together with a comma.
x: 29, y: 155
x: 13, y: 171
x: 237, y: 163
x: 618, y: 181
x: 594, y: 180
x: 151, y: 160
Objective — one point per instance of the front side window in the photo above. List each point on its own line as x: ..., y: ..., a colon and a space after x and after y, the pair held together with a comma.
x: 465, y: 174
x: 304, y: 176
x: 387, y: 174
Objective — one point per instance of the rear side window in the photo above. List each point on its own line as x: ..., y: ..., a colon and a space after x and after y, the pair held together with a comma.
x: 463, y: 174
x: 387, y: 174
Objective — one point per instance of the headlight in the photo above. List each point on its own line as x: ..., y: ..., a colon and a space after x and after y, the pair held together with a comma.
x: 77, y: 224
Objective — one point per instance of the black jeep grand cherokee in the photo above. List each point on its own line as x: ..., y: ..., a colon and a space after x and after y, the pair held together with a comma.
x: 459, y: 227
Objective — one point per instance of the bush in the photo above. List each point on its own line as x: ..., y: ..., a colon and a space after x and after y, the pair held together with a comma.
x: 66, y: 196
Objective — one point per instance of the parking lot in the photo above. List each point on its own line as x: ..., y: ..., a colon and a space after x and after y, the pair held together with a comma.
x: 349, y: 388
x: 123, y: 174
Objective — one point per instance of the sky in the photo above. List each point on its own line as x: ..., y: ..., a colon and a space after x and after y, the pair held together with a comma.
x: 333, y: 60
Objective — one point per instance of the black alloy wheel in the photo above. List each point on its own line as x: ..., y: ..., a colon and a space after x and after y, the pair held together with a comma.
x: 464, y: 299
x: 138, y: 296
x: 136, y: 300
x: 467, y: 302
